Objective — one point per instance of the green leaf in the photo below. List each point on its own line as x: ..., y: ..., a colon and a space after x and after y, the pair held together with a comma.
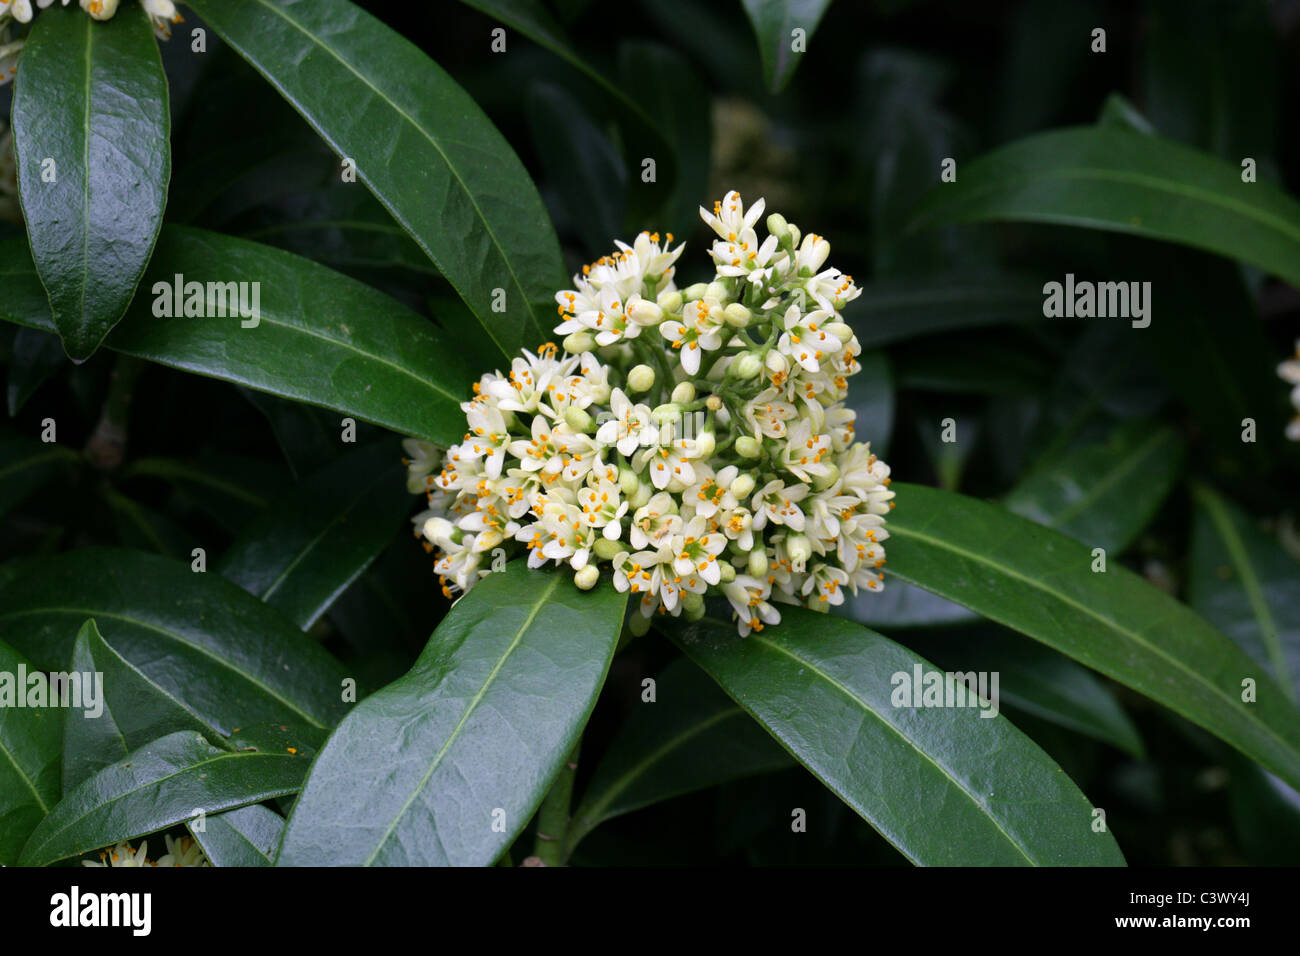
x: 688, y: 738
x: 27, y: 465
x: 1244, y: 583
x: 1041, y: 583
x: 307, y: 434
x: 92, y: 98
x: 160, y: 785
x: 322, y: 534
x: 420, y: 144
x: 774, y: 23
x: 945, y: 785
x: 139, y: 526
x: 232, y: 489
x: 1104, y: 494
x: 894, y: 310
x: 320, y: 338
x: 231, y: 658
x: 1107, y: 178
x: 29, y: 757
x: 244, y: 837
x: 420, y: 771
x: 872, y: 401
x: 132, y: 711
x: 37, y: 356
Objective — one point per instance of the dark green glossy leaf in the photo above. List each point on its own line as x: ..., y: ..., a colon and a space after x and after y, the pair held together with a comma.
x: 234, y: 490
x: 244, y: 837
x: 91, y: 98
x: 690, y: 737
x: 1108, y: 178
x: 893, y: 310
x: 324, y: 533
x: 904, y: 605
x: 1041, y: 583
x: 37, y: 356
x: 421, y: 771
x: 320, y: 338
x: 232, y: 659
x: 309, y: 436
x: 945, y: 785
x: 133, y: 711
x: 774, y: 23
x: 163, y: 783
x: 420, y: 144
x: 1104, y: 494
x: 1244, y: 583
x: 26, y: 465
x: 139, y: 526
x: 29, y: 757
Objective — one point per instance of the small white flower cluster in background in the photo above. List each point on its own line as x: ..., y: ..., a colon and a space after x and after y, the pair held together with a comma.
x: 162, y: 14
x: 686, y: 441
x: 1290, y: 372
x: 182, y: 852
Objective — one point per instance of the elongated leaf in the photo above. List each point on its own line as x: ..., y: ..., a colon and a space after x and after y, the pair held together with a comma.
x: 1040, y: 583
x: 688, y: 738
x: 231, y: 658
x: 244, y: 837
x: 26, y: 465
x: 893, y: 310
x: 91, y: 100
x: 323, y: 534
x: 139, y: 526
x: 37, y: 356
x: 132, y: 711
x: 160, y: 785
x: 904, y: 605
x: 420, y: 143
x: 421, y: 771
x: 29, y: 756
x: 1245, y: 584
x: 308, y: 435
x: 320, y: 338
x: 1108, y: 178
x: 1104, y: 494
x: 232, y: 489
x: 945, y: 785
x: 775, y: 23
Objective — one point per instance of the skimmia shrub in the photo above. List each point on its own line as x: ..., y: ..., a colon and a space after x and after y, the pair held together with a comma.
x: 347, y: 518
x: 692, y: 441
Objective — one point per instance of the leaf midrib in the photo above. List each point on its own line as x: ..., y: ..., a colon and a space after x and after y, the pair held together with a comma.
x: 1122, y: 468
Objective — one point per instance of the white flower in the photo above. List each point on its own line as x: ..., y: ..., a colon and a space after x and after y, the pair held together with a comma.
x: 748, y: 598
x: 730, y: 218
x: 700, y: 331
x: 182, y: 852
x: 779, y: 504
x: 122, y: 856
x: 655, y: 522
x: 22, y: 9
x: 696, y: 553
x: 98, y: 9
x: 804, y: 452
x: 603, y: 507
x: 628, y: 429
x: 670, y: 462
x: 804, y: 341
x: 1290, y: 372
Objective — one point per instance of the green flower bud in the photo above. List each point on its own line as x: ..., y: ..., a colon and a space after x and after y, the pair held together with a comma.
x: 693, y: 292
x: 638, y: 623
x: 641, y: 379
x: 692, y: 605
x: 606, y: 549
x: 743, y: 486
x: 705, y: 443
x: 628, y: 482
x: 823, y: 482
x: 777, y: 225
x: 776, y: 362
x: 717, y: 290
x: 840, y: 330
x: 745, y: 366
x: 644, y: 492
x: 683, y: 393
x: 579, y: 342
x: 757, y: 565
x: 737, y: 315
x: 587, y: 577
x: 667, y: 413
x: 578, y: 419
x: 670, y: 301
x: 713, y: 403
x: 728, y: 572
x: 799, y: 548
x: 748, y: 446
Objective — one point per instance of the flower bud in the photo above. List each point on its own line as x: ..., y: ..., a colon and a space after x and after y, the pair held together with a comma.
x: 776, y: 363
x: 705, y: 443
x: 757, y: 564
x: 436, y: 528
x: 578, y: 342
x: 578, y: 419
x: 641, y: 378
x: 606, y: 549
x: 683, y: 393
x: 628, y: 482
x: 794, y: 235
x: 587, y: 577
x: 692, y: 605
x: 743, y: 486
x: 728, y: 572
x: 666, y: 414
x: 644, y: 312
x: 713, y: 403
x: 670, y: 301
x: 716, y: 290
x: 642, y: 494
x: 718, y: 370
x: 638, y: 624
x: 737, y: 315
x: 745, y: 366
x: 693, y: 292
x: 813, y: 251
x: 840, y: 330
x: 777, y: 225
x: 822, y: 482
x: 799, y: 548
x: 748, y: 446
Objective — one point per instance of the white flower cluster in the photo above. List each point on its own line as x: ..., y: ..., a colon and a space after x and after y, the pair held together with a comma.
x: 162, y: 14
x: 1290, y: 372
x: 695, y: 440
x: 182, y: 852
